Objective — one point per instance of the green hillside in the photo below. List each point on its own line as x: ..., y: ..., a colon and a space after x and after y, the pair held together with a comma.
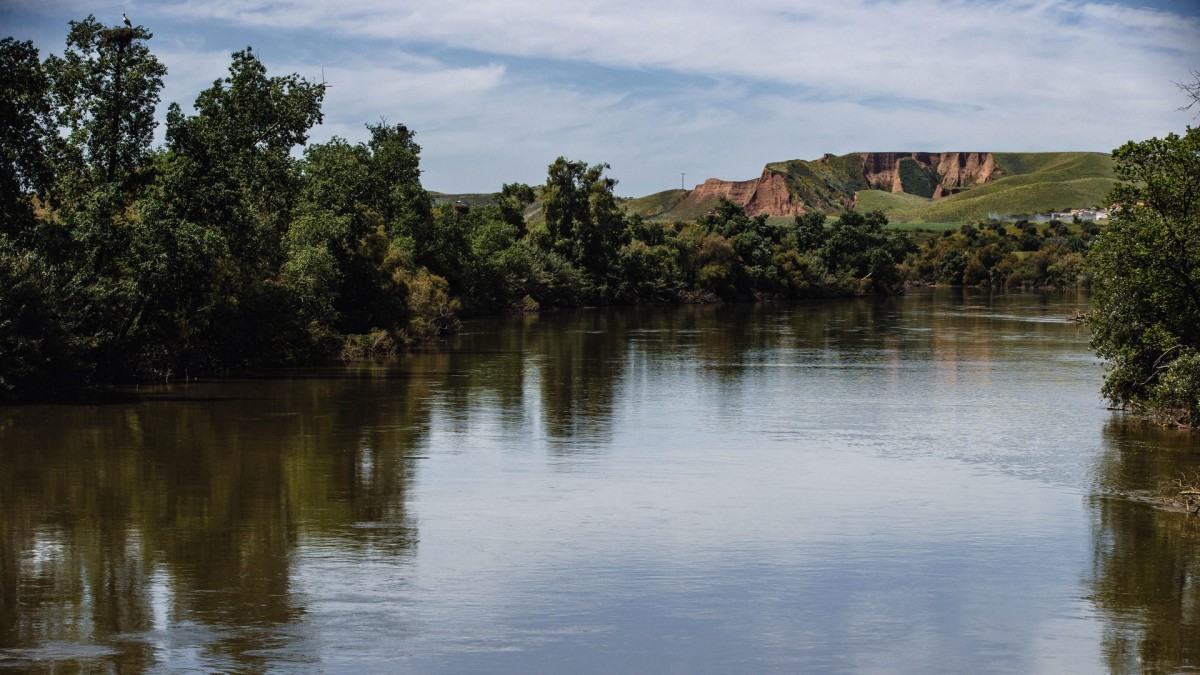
x: 652, y: 206
x: 901, y: 208
x: 828, y: 184
x: 1034, y: 182
x: 473, y: 200
x: 1030, y: 182
x: 1071, y: 164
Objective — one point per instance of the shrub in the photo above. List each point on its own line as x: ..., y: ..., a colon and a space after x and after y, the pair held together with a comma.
x: 1175, y: 399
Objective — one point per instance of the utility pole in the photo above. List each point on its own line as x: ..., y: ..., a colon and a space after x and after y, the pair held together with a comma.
x: 681, y: 175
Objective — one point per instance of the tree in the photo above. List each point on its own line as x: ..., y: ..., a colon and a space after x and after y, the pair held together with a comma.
x: 395, y: 186
x: 335, y: 244
x: 1145, y: 315
x: 512, y: 199
x: 106, y: 87
x: 75, y: 306
x: 810, y: 231
x: 583, y: 221
x: 755, y: 241
x: 228, y: 181
x: 26, y: 129
x: 231, y: 164
x: 39, y: 349
x: 861, y: 247
x: 1192, y: 90
x: 32, y: 340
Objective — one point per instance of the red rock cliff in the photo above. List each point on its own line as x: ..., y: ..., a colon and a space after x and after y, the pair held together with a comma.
x: 769, y: 193
x: 955, y: 170
x: 766, y: 194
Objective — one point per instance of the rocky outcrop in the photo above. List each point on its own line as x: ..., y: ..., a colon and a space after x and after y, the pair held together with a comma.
x: 953, y: 171
x: 927, y: 174
x: 767, y: 194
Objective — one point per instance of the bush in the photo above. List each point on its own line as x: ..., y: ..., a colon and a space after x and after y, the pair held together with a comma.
x: 433, y: 310
x: 377, y: 343
x: 37, y: 351
x: 1175, y: 399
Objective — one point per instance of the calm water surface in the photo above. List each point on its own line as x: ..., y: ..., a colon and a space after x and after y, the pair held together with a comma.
x: 922, y: 484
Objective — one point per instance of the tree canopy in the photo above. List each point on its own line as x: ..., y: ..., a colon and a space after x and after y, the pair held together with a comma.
x: 1146, y: 291
x: 237, y: 243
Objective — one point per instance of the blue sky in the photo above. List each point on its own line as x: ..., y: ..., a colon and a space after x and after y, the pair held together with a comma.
x: 496, y: 89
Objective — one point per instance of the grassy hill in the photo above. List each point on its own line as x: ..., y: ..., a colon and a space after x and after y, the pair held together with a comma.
x: 828, y: 185
x: 479, y: 200
x: 655, y: 205
x: 1033, y: 182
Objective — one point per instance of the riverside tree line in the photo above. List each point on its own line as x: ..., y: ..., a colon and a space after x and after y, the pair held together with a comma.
x: 224, y: 249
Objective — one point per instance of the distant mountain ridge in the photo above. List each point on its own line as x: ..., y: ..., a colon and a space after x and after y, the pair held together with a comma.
x: 909, y: 186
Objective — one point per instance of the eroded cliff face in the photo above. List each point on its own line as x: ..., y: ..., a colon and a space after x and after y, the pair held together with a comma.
x: 767, y: 194
x: 928, y: 174
x: 954, y: 171
x: 965, y: 170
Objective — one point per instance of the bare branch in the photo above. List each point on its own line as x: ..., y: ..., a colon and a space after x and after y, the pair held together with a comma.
x: 1192, y: 89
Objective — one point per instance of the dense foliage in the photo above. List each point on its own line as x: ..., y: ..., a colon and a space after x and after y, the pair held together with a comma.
x: 1006, y: 255
x: 239, y: 244
x: 224, y: 248
x: 218, y: 250
x: 1146, y: 293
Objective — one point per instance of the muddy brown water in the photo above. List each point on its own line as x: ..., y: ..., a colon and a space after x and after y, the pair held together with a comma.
x: 928, y: 483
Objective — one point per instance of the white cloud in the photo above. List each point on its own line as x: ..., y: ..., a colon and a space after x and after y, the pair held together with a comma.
x: 497, y: 88
x: 954, y: 49
x: 374, y: 90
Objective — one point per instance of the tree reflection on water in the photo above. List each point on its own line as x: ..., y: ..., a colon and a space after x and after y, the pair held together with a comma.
x: 1146, y: 565
x: 178, y: 527
x: 208, y: 488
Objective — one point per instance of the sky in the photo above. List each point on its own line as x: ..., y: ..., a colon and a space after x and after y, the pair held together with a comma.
x: 671, y: 93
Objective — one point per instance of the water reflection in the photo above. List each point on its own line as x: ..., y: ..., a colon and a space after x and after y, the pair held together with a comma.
x: 187, y: 508
x: 721, y: 478
x: 1146, y: 576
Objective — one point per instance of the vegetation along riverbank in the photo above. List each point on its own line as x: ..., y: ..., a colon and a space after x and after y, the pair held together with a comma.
x: 227, y: 248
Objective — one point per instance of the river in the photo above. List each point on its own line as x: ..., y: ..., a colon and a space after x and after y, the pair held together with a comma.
x: 928, y: 483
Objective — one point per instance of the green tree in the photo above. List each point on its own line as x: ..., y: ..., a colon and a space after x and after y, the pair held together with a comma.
x: 106, y: 87
x: 1145, y: 316
x: 861, y: 247
x: 394, y: 187
x: 228, y: 170
x: 583, y: 221
x: 513, y: 199
x: 173, y: 265
x: 80, y: 310
x: 755, y: 241
x: 810, y: 231
x: 337, y: 247
x: 489, y: 237
x: 26, y: 129
x: 231, y: 163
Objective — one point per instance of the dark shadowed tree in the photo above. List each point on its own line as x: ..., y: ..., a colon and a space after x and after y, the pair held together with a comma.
x: 229, y: 185
x: 26, y: 130
x: 513, y: 199
x: 106, y: 87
